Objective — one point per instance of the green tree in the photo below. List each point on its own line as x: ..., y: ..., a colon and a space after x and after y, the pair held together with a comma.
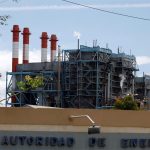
x: 127, y: 103
x: 30, y: 83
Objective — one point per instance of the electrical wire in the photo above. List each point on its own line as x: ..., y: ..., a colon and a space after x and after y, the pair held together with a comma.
x: 4, y: 1
x: 106, y: 11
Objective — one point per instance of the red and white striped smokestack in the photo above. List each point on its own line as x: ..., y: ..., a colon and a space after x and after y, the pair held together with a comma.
x: 44, y: 39
x: 26, y: 34
x: 15, y: 47
x: 15, y: 57
x: 53, y: 40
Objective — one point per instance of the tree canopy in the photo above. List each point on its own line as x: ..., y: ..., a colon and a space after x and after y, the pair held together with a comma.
x: 30, y: 83
x: 127, y: 103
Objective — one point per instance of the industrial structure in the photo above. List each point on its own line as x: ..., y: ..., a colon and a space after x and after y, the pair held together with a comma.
x: 76, y: 129
x: 94, y: 76
x: 142, y: 90
x: 86, y: 77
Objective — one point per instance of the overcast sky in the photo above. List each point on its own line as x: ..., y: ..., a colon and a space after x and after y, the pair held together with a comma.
x: 63, y: 19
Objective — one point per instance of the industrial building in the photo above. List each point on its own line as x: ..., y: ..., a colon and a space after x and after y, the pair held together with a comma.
x: 86, y: 77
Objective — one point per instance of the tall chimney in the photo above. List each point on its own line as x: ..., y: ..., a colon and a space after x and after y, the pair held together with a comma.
x: 44, y: 39
x: 53, y: 40
x: 26, y: 34
x: 15, y: 47
x: 15, y: 57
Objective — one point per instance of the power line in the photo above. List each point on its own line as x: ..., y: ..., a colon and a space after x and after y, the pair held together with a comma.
x: 106, y: 11
x: 3, y: 1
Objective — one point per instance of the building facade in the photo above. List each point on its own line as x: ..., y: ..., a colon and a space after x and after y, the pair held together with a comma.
x: 39, y: 128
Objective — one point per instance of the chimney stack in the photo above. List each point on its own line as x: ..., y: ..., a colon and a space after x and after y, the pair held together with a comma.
x: 15, y: 47
x: 44, y: 39
x: 53, y: 40
x: 26, y: 34
x: 15, y: 57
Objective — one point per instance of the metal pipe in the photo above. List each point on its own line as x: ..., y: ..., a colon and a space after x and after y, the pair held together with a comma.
x: 108, y: 90
x: 58, y: 102
x: 81, y: 116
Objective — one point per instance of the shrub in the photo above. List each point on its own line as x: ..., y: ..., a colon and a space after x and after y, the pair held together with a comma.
x: 119, y: 104
x: 127, y: 103
x: 30, y: 83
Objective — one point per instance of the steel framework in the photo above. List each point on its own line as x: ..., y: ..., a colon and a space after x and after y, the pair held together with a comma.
x: 89, y: 77
x: 85, y: 74
x: 122, y: 74
x: 46, y: 95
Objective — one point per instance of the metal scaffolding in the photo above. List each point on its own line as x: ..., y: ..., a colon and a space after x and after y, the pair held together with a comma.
x: 94, y: 77
x: 85, y: 73
x: 45, y: 95
x: 88, y: 77
x: 123, y: 74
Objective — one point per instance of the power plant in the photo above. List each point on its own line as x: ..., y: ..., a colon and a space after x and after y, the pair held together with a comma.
x: 86, y: 77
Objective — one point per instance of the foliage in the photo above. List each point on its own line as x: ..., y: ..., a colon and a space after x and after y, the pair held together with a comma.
x: 127, y: 103
x: 30, y: 83
x: 4, y: 18
x: 119, y: 104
